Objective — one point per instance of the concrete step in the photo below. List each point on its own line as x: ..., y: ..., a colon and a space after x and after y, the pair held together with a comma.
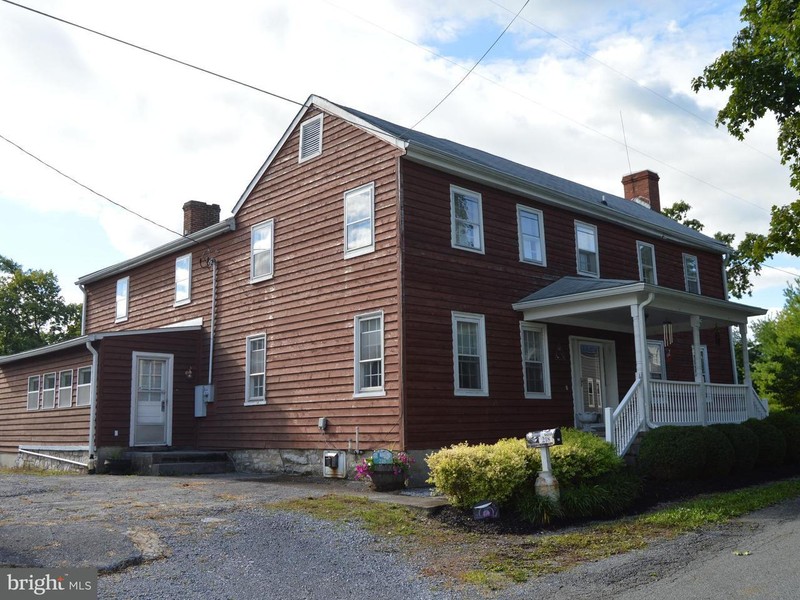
x: 190, y: 468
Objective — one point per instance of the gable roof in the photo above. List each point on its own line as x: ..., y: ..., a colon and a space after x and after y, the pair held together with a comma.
x: 502, y: 173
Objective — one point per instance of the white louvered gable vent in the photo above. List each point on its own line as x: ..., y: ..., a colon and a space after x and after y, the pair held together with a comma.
x: 311, y: 138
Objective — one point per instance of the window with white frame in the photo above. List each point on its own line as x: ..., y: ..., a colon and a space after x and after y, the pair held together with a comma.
x: 83, y: 389
x: 359, y: 221
x: 368, y: 345
x: 49, y: 390
x: 65, y: 389
x: 655, y: 360
x: 703, y: 362
x: 255, y: 385
x: 183, y: 279
x: 530, y: 227
x: 469, y: 355
x: 466, y: 216
x: 691, y: 274
x: 535, y: 361
x: 310, y: 138
x: 122, y: 299
x: 647, y: 262
x: 261, y: 255
x: 586, y: 249
x: 33, y: 392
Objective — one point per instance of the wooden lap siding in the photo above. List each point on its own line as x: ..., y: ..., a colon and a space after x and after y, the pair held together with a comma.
x: 46, y: 427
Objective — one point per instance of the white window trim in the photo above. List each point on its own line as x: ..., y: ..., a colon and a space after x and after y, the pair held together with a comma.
x: 79, y: 386
x: 593, y: 228
x: 52, y: 389
x: 704, y: 359
x: 527, y: 326
x: 639, y: 246
x: 188, y: 299
x: 371, y: 392
x: 63, y: 390
x: 453, y: 190
x: 318, y: 151
x: 247, y: 398
x: 686, y: 272
x: 253, y: 229
x: 660, y: 345
x: 119, y: 318
x: 38, y: 392
x: 371, y: 246
x: 521, y: 208
x: 483, y: 362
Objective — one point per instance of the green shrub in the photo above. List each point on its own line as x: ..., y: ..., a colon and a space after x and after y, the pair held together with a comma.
x: 789, y: 424
x: 771, y: 443
x: 672, y: 453
x: 583, y: 456
x: 745, y: 445
x: 609, y: 495
x: 720, y: 455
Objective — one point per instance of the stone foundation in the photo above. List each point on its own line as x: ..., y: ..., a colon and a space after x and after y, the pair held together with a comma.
x: 29, y: 461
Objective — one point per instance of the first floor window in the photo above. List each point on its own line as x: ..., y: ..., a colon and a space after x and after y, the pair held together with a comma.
x: 49, y: 390
x: 122, y: 299
x: 369, y: 354
x: 586, y: 247
x: 255, y: 386
x: 83, y: 390
x: 33, y: 392
x: 655, y: 360
x: 691, y: 274
x: 261, y: 255
x: 65, y: 389
x: 469, y: 355
x: 703, y: 362
x: 535, y: 363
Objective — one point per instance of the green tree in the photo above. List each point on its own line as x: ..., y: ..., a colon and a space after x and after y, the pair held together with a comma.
x: 776, y: 373
x: 762, y: 70
x: 32, y: 310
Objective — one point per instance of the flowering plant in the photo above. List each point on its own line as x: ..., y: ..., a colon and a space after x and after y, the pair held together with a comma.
x: 401, y: 463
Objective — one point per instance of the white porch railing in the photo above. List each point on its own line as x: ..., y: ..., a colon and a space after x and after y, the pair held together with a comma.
x: 627, y: 419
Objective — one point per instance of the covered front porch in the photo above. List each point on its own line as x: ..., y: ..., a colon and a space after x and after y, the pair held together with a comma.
x: 655, y: 318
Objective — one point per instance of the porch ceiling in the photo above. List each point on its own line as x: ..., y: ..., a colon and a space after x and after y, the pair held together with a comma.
x: 605, y: 304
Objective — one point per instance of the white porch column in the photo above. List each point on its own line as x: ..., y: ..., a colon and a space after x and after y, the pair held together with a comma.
x: 640, y: 349
x: 748, y: 382
x: 698, y: 369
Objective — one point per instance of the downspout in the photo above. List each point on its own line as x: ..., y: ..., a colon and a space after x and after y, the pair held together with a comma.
x: 92, y: 407
x: 213, y: 263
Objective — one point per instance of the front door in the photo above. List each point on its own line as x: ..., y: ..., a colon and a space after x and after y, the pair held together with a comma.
x: 593, y: 380
x: 592, y: 384
x: 151, y: 400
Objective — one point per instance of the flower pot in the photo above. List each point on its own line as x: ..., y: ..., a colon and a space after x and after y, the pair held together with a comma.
x: 384, y: 479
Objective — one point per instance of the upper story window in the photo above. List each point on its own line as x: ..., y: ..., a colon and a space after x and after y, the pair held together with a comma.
x: 310, y: 138
x: 83, y: 389
x: 691, y: 274
x: 183, y: 279
x: 368, y: 345
x: 530, y: 228
x: 359, y: 221
x: 261, y: 266
x: 33, y: 392
x: 256, y: 365
x: 122, y: 299
x: 65, y: 389
x: 647, y: 262
x: 535, y: 362
x: 469, y: 355
x: 49, y: 390
x: 466, y: 220
x: 586, y: 249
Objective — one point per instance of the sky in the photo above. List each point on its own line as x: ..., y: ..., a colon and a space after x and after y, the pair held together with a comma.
x: 588, y: 90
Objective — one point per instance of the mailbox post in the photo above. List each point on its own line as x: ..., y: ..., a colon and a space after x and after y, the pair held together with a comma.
x: 546, y: 484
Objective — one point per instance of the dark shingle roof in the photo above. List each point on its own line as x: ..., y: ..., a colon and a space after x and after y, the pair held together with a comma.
x: 567, y: 286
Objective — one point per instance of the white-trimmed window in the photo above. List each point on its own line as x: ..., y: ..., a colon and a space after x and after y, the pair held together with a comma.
x: 586, y: 249
x: 310, y: 138
x: 535, y: 361
x: 469, y: 355
x: 83, y: 389
x: 530, y: 228
x: 359, y: 220
x: 691, y: 274
x: 368, y: 345
x: 256, y: 384
x: 261, y: 256
x: 656, y: 365
x: 33, y: 392
x: 466, y: 219
x: 123, y: 286
x: 703, y: 362
x: 647, y: 262
x: 65, y: 389
x: 49, y: 390
x: 183, y: 279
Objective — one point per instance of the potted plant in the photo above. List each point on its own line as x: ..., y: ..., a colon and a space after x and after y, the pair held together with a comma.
x: 386, y: 471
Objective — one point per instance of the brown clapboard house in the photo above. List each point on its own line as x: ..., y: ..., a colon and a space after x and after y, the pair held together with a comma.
x: 377, y: 287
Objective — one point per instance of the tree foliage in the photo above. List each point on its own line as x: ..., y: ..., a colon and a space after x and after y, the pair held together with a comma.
x: 762, y: 70
x: 32, y: 310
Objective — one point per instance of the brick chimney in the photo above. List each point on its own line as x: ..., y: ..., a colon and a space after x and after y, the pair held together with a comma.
x: 642, y: 188
x: 199, y: 215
